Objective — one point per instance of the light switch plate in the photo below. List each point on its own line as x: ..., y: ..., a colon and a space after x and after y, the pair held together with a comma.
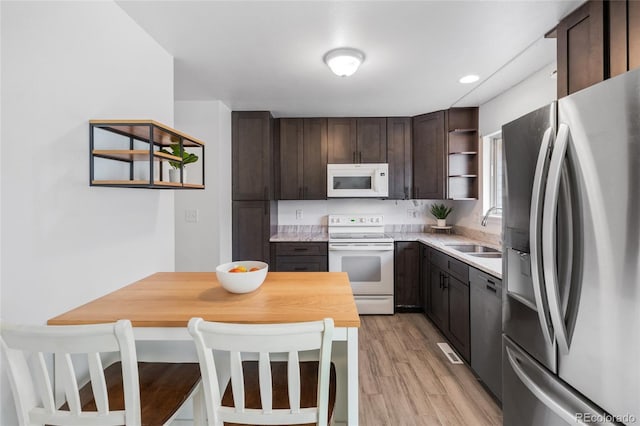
x: 191, y: 215
x: 299, y: 214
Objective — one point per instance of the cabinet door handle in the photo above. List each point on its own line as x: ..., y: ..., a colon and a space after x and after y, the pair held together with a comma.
x: 266, y: 210
x: 444, y: 281
x: 266, y: 193
x: 490, y: 288
x: 300, y: 249
x: 441, y: 279
x: 354, y: 156
x: 300, y: 268
x: 300, y: 192
x: 360, y: 157
x: 406, y: 192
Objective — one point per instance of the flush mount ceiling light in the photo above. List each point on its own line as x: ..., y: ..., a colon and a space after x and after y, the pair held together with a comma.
x: 471, y: 78
x: 344, y: 61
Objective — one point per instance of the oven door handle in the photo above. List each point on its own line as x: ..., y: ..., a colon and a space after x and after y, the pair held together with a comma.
x: 367, y: 247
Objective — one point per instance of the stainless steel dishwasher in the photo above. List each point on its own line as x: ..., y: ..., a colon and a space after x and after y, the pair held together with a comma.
x: 486, y: 329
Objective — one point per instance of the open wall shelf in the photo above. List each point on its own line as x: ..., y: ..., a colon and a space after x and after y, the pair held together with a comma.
x: 462, y: 150
x: 127, y: 153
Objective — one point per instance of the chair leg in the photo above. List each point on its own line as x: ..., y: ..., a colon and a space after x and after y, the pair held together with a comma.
x: 199, y: 413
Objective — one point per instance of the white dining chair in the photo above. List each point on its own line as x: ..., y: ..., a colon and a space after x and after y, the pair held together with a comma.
x: 266, y: 392
x: 124, y: 393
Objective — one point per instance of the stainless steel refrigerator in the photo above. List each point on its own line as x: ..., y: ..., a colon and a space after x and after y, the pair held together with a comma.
x: 571, y: 230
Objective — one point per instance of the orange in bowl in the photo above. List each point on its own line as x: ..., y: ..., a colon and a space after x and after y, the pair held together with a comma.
x: 242, y: 276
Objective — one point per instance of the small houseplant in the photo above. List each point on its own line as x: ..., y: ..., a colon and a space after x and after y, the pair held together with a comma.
x: 440, y: 212
x: 187, y: 158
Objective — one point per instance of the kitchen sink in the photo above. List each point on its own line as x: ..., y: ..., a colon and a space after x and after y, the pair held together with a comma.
x: 475, y: 249
x: 493, y: 255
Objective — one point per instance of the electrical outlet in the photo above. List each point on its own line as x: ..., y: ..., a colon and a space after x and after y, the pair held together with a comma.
x: 191, y: 215
x: 299, y: 214
x: 412, y: 214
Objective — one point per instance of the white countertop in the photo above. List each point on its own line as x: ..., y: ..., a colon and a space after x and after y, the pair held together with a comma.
x: 438, y: 241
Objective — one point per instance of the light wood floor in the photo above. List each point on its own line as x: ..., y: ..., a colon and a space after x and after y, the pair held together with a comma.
x: 405, y: 379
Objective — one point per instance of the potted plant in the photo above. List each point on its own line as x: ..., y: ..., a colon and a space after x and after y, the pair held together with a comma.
x: 440, y: 212
x: 187, y: 158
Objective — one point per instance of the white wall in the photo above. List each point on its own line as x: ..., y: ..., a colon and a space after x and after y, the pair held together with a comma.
x: 536, y: 91
x: 63, y: 242
x: 202, y: 245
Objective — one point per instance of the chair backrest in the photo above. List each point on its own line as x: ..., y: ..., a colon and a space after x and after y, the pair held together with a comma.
x: 26, y: 348
x: 263, y: 339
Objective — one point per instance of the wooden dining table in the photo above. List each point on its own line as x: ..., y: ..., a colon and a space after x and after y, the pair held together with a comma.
x: 160, y: 306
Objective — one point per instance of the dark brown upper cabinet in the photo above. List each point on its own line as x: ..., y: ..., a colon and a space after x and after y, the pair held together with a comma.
x: 399, y: 158
x: 624, y: 36
x: 429, y: 143
x: 581, y: 48
x: 303, y: 158
x: 357, y: 140
x: 252, y: 147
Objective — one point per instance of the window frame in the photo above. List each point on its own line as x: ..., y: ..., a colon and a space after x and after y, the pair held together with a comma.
x: 490, y: 173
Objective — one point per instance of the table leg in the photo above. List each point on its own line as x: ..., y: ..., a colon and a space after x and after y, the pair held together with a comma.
x: 352, y: 376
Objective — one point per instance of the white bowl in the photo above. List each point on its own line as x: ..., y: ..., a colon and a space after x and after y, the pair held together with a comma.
x: 242, y: 282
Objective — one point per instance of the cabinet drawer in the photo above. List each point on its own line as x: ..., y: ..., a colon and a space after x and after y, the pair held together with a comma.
x: 439, y: 259
x: 301, y: 264
x: 301, y: 249
x: 459, y: 270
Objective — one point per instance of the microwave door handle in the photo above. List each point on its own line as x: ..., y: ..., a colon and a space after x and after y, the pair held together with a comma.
x: 549, y: 252
x: 535, y: 236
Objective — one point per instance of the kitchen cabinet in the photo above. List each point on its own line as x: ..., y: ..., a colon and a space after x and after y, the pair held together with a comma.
x: 581, y: 48
x: 424, y: 278
x: 624, y: 36
x: 252, y: 159
x: 399, y: 158
x: 429, y: 142
x: 462, y: 153
x: 300, y: 257
x: 357, y: 140
x: 599, y: 40
x: 253, y: 223
x: 449, y: 299
x: 129, y: 154
x: 302, y: 170
x: 486, y: 329
x: 407, y: 276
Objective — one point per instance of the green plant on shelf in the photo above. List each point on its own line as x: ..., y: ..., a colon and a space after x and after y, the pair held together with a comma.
x: 440, y: 211
x: 187, y: 157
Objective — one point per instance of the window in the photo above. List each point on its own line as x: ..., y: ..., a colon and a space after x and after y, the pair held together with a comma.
x: 492, y: 175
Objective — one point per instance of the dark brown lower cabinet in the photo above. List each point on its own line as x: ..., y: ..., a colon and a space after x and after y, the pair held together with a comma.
x: 407, y: 276
x: 424, y: 277
x: 459, y: 316
x: 448, y: 305
x: 300, y: 257
x: 253, y: 223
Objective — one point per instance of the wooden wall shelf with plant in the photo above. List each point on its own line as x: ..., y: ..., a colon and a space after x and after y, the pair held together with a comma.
x: 134, y: 154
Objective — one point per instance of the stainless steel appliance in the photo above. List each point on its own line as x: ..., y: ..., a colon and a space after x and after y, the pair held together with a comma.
x: 571, y: 226
x: 358, y: 180
x: 359, y: 247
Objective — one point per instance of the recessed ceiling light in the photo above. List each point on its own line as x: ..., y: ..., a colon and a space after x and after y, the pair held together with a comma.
x: 344, y: 61
x: 471, y: 78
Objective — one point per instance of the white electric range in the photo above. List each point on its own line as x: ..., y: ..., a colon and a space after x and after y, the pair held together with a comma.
x: 359, y: 247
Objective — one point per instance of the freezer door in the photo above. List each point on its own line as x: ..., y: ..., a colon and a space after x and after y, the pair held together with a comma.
x: 594, y: 287
x: 532, y: 396
x: 527, y: 145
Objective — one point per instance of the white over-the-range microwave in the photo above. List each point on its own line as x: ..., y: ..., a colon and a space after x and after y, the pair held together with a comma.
x: 358, y: 180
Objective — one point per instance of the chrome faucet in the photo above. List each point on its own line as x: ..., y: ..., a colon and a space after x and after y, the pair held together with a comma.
x: 486, y: 216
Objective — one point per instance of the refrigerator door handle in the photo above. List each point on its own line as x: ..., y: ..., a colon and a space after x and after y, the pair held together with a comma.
x: 535, y: 236
x: 570, y: 407
x: 549, y: 255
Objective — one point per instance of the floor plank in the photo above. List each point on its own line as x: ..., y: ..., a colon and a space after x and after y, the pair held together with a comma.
x: 406, y: 380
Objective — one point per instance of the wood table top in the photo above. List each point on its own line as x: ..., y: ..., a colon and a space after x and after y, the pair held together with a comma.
x: 170, y: 299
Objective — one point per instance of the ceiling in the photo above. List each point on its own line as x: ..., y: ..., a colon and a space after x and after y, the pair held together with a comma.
x: 267, y: 55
